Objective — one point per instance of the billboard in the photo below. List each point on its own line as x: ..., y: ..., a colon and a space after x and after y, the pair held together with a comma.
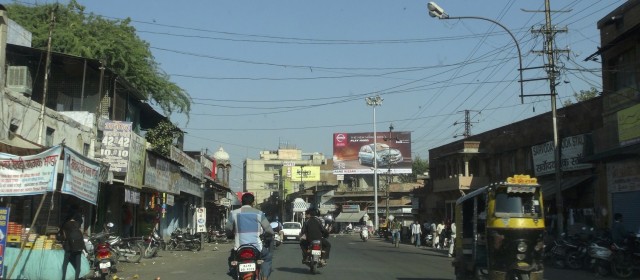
x: 304, y: 173
x: 355, y: 153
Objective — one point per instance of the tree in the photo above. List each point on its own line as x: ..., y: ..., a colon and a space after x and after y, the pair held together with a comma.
x: 581, y: 96
x: 112, y: 41
x: 418, y: 167
x: 162, y: 137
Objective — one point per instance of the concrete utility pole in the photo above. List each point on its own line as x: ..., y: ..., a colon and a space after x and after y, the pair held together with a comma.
x: 549, y: 33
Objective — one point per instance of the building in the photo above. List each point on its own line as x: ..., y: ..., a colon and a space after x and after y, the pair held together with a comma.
x: 617, y: 143
x: 524, y: 147
x: 287, y: 170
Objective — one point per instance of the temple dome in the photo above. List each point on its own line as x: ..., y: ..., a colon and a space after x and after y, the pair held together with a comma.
x: 221, y: 155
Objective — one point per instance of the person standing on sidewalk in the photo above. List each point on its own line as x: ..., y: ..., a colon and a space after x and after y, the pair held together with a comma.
x: 416, y: 232
x: 247, y: 224
x: 453, y: 239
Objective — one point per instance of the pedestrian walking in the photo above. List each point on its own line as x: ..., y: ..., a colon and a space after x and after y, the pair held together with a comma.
x: 453, y: 239
x: 440, y: 236
x: 73, y: 244
x: 434, y: 232
x: 416, y: 232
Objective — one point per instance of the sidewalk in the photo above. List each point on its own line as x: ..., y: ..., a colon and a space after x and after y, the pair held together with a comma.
x: 176, y: 264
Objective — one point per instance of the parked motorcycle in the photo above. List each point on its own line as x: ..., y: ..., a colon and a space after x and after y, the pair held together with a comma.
x: 364, y: 235
x: 183, y: 240
x: 600, y: 255
x: 152, y: 244
x: 314, y: 256
x: 102, y: 258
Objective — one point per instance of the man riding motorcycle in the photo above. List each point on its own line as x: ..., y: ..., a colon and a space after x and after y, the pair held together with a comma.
x: 314, y: 230
x: 247, y: 224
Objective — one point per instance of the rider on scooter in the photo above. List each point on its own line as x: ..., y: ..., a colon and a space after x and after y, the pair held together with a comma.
x: 313, y: 230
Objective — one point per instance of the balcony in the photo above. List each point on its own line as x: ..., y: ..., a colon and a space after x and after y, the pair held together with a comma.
x: 459, y: 183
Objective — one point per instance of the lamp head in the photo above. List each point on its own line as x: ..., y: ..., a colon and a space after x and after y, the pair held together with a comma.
x: 436, y: 11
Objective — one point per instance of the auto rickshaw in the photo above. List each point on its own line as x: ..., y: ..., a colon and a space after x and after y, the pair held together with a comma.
x: 500, y: 230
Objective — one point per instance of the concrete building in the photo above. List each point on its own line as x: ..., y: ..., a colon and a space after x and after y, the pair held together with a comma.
x: 524, y: 147
x: 617, y: 143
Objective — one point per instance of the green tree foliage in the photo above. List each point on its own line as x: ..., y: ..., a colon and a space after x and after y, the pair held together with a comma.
x: 112, y: 41
x: 162, y: 137
x: 583, y: 95
x: 419, y: 166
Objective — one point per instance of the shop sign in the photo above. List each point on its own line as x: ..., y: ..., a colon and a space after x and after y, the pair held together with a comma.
x: 4, y: 224
x: 347, y: 208
x: 116, y: 142
x: 29, y: 175
x: 131, y: 196
x: 81, y: 176
x: 137, y: 153
x: 169, y: 200
x: 623, y: 176
x: 160, y: 174
x: 572, y: 150
x: 201, y: 218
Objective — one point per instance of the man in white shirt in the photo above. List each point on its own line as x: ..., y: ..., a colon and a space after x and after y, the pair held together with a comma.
x: 453, y: 239
x: 416, y: 232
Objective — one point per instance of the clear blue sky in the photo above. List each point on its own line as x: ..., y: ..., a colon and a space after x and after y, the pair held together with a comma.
x: 262, y: 73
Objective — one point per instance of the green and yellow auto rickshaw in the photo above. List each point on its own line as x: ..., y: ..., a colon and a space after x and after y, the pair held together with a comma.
x: 500, y: 230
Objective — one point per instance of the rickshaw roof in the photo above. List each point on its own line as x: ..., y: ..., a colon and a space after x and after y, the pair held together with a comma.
x: 518, y: 180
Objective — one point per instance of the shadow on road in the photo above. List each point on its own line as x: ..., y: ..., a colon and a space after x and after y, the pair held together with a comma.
x: 302, y: 270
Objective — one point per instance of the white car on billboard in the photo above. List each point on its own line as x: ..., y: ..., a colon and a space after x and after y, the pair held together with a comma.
x: 384, y: 154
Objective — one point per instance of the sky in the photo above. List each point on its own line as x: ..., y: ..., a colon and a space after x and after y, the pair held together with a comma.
x: 263, y: 74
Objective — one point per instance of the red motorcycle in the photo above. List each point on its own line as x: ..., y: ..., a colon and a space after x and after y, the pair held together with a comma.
x: 314, y: 256
x: 102, y: 258
x: 247, y: 262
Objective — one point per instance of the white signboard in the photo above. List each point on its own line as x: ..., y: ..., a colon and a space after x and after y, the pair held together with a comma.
x: 81, y: 176
x: 131, y: 196
x: 572, y: 150
x: 623, y: 176
x: 28, y: 175
x: 170, y: 200
x: 201, y: 219
x: 116, y: 141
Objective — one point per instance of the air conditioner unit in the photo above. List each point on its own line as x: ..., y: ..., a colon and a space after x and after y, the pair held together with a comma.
x: 19, y: 79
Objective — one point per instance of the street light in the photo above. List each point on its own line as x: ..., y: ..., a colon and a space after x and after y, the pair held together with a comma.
x: 374, y: 102
x: 437, y: 12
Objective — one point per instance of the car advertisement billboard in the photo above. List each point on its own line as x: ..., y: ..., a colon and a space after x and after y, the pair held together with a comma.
x: 353, y: 153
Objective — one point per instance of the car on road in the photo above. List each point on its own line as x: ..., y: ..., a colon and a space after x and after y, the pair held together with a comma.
x: 384, y: 154
x: 291, y: 231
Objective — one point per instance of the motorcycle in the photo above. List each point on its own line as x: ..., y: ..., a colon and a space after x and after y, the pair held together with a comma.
x: 152, y: 244
x: 103, y: 260
x: 182, y: 240
x: 247, y: 261
x: 364, y: 235
x: 428, y: 240
x: 600, y: 255
x: 625, y: 259
x: 314, y: 256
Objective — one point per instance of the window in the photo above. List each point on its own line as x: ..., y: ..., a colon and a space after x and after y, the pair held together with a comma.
x: 517, y: 204
x: 85, y: 149
x: 623, y: 70
x: 48, y: 142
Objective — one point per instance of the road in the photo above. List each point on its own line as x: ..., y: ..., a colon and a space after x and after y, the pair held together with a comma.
x: 350, y: 259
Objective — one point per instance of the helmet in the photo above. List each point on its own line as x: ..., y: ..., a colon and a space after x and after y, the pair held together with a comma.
x: 312, y: 212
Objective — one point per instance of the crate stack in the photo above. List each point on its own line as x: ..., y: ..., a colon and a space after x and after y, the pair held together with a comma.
x: 14, y: 233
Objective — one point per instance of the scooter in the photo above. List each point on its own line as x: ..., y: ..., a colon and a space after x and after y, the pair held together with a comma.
x: 364, y: 235
x: 428, y: 240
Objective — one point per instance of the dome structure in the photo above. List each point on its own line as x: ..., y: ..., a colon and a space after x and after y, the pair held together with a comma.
x: 221, y: 155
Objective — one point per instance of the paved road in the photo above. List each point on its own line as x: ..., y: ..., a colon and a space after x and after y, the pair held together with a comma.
x: 350, y: 259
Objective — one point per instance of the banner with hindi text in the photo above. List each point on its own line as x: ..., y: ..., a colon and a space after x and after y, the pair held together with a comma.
x: 29, y: 175
x: 81, y: 176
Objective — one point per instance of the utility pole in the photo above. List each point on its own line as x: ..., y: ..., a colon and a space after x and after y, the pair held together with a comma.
x: 389, y: 177
x: 47, y: 66
x: 467, y: 124
x: 549, y: 32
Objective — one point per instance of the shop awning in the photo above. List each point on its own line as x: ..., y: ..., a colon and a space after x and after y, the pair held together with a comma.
x: 550, y: 188
x: 350, y: 217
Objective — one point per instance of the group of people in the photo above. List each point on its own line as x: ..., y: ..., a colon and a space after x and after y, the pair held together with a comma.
x: 248, y: 224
